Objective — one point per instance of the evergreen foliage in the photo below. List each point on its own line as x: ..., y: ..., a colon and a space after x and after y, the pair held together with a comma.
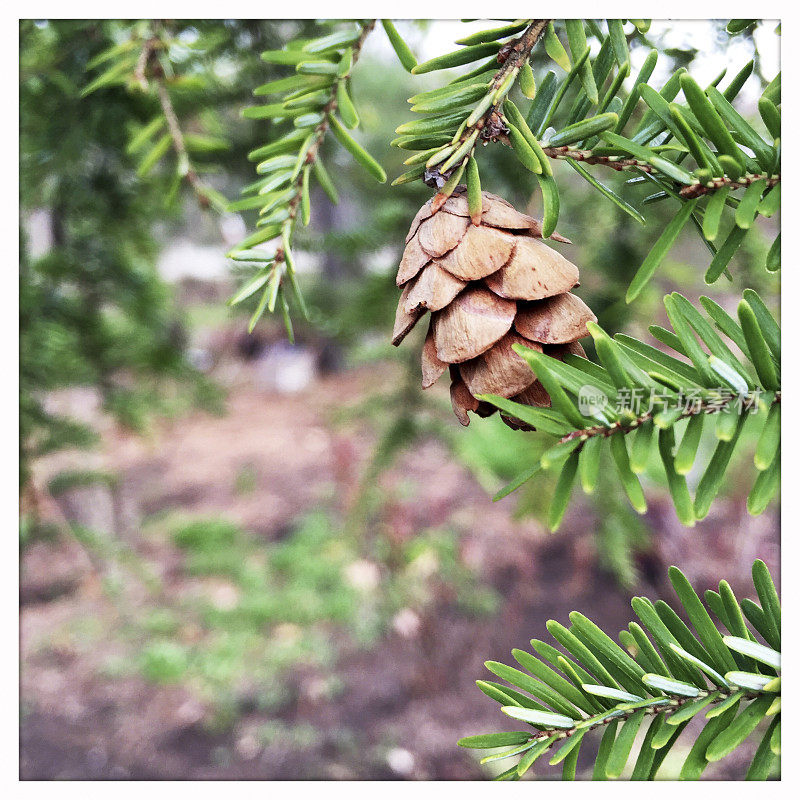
x: 719, y: 170
x: 724, y: 671
x: 92, y: 309
x: 304, y: 108
x: 639, y: 390
x: 702, y: 148
x: 699, y: 153
x: 725, y: 154
x: 166, y: 68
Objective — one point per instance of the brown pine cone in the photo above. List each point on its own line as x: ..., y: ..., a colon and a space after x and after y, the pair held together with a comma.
x: 488, y: 287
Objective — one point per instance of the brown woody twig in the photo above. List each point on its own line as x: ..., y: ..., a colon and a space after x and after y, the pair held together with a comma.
x: 588, y: 157
x: 698, y: 189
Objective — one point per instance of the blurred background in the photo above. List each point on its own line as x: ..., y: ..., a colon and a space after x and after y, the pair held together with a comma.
x: 246, y: 559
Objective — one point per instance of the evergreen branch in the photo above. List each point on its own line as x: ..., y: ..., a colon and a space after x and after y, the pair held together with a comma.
x: 657, y: 707
x: 689, y: 192
x: 150, y: 44
x: 185, y: 168
x: 147, y: 70
x: 457, y: 124
x: 707, y: 127
x: 700, y: 147
x: 319, y: 90
x: 596, y: 402
x: 319, y: 133
x: 702, y: 406
x: 662, y: 670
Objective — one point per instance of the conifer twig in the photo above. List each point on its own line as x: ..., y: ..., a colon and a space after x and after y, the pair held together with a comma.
x: 320, y: 131
x: 698, y: 189
x: 589, y: 157
x: 701, y: 407
x: 185, y: 169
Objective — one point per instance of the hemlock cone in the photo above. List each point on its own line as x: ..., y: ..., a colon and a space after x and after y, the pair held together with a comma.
x: 488, y: 287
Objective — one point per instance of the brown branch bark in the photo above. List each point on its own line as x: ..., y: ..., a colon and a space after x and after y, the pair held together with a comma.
x: 588, y: 157
x: 699, y: 189
x: 185, y: 168
x: 620, y: 163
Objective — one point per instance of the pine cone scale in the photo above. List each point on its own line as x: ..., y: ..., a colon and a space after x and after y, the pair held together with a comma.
x: 471, y: 324
x: 482, y: 251
x: 441, y: 233
x: 534, y: 395
x: 433, y: 289
x: 432, y: 366
x: 534, y: 272
x: 498, y: 213
x: 462, y: 401
x: 404, y: 321
x: 413, y: 260
x: 554, y: 320
x: 420, y: 217
x: 500, y: 370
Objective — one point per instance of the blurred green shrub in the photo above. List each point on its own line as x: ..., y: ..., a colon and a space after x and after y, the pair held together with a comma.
x: 207, y: 535
x: 164, y: 662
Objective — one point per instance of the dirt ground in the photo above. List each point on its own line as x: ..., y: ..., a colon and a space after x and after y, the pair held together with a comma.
x: 404, y: 702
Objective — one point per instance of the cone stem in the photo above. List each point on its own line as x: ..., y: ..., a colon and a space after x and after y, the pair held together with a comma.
x: 488, y: 125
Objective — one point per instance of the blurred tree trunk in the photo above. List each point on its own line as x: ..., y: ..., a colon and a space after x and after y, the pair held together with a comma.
x: 334, y: 271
